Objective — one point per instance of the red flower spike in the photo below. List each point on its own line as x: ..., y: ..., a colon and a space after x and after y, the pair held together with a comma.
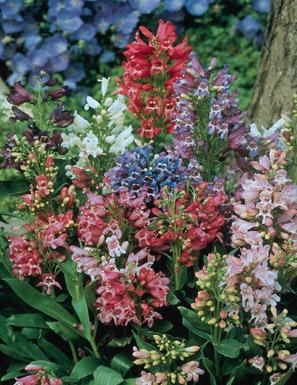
x: 149, y: 73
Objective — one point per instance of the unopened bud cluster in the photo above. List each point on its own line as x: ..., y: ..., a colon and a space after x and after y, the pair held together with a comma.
x: 171, y: 356
x: 275, y: 338
x: 216, y: 304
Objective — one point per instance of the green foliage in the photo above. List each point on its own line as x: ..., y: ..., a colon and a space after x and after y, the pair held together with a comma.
x: 221, y: 41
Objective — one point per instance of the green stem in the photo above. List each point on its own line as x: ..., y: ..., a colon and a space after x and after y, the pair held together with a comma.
x: 73, y: 351
x: 217, y: 363
x: 94, y: 347
x: 177, y: 266
x: 216, y: 337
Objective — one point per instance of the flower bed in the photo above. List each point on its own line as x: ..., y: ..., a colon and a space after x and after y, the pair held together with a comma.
x: 154, y: 241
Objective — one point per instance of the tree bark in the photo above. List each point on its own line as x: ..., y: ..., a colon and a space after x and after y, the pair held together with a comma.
x: 277, y: 78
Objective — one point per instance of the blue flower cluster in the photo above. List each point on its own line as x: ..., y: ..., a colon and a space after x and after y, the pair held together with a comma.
x: 139, y: 170
x: 249, y: 26
x: 62, y: 36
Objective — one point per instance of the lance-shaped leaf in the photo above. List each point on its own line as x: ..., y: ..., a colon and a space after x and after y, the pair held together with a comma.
x: 39, y: 301
x: 74, y: 283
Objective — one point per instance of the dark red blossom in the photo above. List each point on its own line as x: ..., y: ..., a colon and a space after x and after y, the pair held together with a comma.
x: 19, y: 95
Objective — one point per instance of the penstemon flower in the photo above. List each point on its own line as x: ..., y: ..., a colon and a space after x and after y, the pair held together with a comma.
x: 39, y: 377
x: 274, y: 339
x: 217, y: 302
x: 167, y: 362
x: 206, y: 117
x: 140, y: 170
x: 104, y: 136
x: 150, y: 69
x: 105, y: 252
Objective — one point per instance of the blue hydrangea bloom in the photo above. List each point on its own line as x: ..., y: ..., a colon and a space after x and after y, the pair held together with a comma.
x: 93, y: 48
x: 197, y: 7
x: 11, y: 9
x: 145, y: 6
x: 173, y: 5
x: 86, y: 32
x: 120, y: 40
x: 55, y: 45
x: 38, y: 57
x: 58, y: 63
x: 12, y: 26
x: 21, y: 64
x: 31, y: 33
x: 74, y: 74
x: 249, y: 26
x: 57, y: 7
x: 107, y: 56
x: 125, y: 19
x: 68, y: 21
x: 262, y: 6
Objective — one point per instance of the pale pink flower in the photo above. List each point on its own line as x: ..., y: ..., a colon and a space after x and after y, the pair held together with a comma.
x: 290, y: 359
x: 258, y: 362
x: 275, y: 378
x: 115, y: 249
x: 192, y: 371
x: 146, y: 379
x: 47, y: 282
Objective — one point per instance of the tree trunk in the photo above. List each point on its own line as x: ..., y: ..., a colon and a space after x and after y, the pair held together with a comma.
x: 277, y: 79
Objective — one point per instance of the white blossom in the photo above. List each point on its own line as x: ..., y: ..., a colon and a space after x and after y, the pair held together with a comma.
x: 91, y: 144
x: 90, y: 102
x: 70, y: 140
x: 104, y: 85
x: 122, y: 141
x: 79, y: 124
x: 264, y: 132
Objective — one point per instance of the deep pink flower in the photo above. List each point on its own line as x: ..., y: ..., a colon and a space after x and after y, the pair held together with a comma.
x: 25, y: 257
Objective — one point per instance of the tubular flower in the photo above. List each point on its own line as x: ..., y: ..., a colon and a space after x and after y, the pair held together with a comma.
x: 194, y: 222
x: 150, y: 69
x: 131, y: 295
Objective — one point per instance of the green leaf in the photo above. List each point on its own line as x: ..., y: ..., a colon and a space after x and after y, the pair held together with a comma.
x: 285, y: 378
x: 12, y: 352
x: 74, y: 283
x: 172, y: 298
x: 63, y: 331
x: 141, y: 344
x: 231, y: 380
x: 119, y: 342
x: 122, y: 363
x: 16, y: 343
x: 13, y: 187
x: 106, y: 376
x: 85, y: 367
x: 51, y: 366
x: 14, y: 370
x: 54, y: 352
x: 229, y: 347
x: 129, y: 381
x: 31, y: 320
x: 38, y: 301
x: 162, y: 326
x: 192, y: 322
x: 210, y: 369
